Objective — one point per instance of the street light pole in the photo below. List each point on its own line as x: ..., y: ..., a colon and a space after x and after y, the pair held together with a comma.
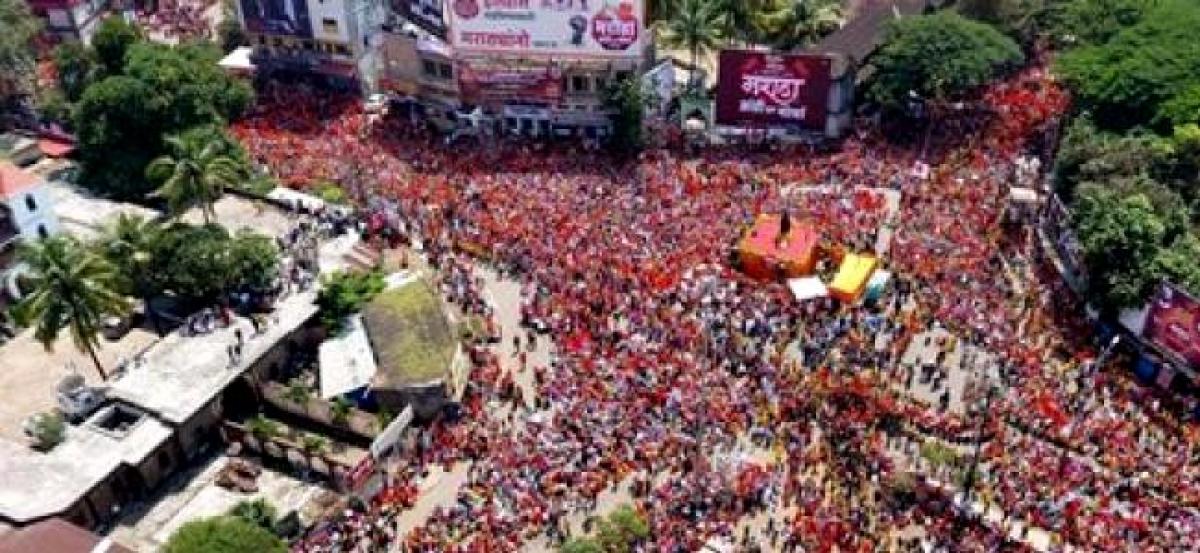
x: 969, y: 482
x: 1085, y: 376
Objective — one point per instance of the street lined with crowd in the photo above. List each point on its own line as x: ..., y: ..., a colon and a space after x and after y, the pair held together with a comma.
x: 715, y: 399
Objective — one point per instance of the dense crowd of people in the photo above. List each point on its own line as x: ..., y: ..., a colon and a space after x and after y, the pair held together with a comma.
x: 178, y: 20
x: 670, y: 366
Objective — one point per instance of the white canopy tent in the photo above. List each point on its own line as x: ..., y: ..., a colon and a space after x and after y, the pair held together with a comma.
x: 807, y: 288
x: 346, y: 360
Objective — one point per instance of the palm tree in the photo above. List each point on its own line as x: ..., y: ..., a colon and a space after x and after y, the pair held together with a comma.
x: 130, y: 245
x: 697, y: 26
x: 739, y: 17
x: 73, y: 289
x: 789, y: 24
x: 197, y: 176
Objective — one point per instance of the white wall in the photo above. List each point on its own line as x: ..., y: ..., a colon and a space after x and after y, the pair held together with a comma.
x: 319, y: 10
x: 27, y: 220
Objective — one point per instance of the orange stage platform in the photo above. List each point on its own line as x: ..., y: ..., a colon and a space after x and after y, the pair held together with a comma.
x: 764, y: 255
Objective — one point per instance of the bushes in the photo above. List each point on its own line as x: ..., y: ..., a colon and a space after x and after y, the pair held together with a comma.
x: 224, y: 534
x: 345, y: 294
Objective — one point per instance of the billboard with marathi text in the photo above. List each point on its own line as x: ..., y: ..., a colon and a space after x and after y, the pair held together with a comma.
x: 598, y: 28
x: 485, y: 84
x: 765, y: 90
x: 1174, y: 323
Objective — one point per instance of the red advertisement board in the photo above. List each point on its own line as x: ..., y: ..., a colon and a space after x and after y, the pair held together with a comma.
x: 761, y: 89
x: 483, y: 84
x: 1174, y: 323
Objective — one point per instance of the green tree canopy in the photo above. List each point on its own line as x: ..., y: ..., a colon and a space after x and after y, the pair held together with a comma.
x: 196, y: 176
x: 16, y: 47
x: 112, y: 40
x: 73, y: 290
x: 696, y: 26
x: 1121, y: 237
x: 224, y: 534
x: 77, y: 69
x: 627, y: 99
x: 122, y: 120
x: 789, y: 24
x: 938, y: 56
x: 1180, y: 263
x: 1146, y: 73
x: 201, y: 263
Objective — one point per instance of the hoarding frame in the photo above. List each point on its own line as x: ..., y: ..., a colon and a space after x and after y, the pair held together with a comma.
x: 778, y: 85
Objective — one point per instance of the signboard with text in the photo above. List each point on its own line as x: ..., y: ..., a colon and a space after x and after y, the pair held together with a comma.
x: 597, y: 28
x: 761, y: 89
x: 485, y: 84
x: 1174, y: 323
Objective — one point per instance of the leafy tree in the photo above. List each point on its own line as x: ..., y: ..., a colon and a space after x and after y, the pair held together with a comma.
x: 118, y: 123
x: 621, y: 530
x: 1145, y: 73
x: 132, y: 245
x: 258, y: 512
x: 197, y: 176
x: 1121, y: 237
x: 1180, y: 263
x: 344, y: 294
x: 16, y: 48
x: 789, y: 24
x: 627, y: 100
x: 77, y: 69
x: 254, y: 259
x: 739, y: 17
x: 938, y: 57
x: 1088, y: 22
x: 696, y: 26
x: 1181, y: 109
x: 73, y: 289
x: 112, y: 41
x: 1090, y: 154
x: 225, y: 534
x: 193, y: 89
x: 165, y: 90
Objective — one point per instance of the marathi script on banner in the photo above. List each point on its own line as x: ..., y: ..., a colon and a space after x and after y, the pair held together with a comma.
x: 603, y: 28
x: 763, y: 89
x: 1174, y: 323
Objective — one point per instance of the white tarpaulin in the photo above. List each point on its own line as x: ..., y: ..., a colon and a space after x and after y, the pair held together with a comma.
x: 237, y: 60
x: 1022, y: 195
x: 807, y: 288
x: 346, y: 360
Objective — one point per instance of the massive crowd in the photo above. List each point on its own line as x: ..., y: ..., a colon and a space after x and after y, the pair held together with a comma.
x: 667, y: 358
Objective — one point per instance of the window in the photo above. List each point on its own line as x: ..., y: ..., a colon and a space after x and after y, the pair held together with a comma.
x: 579, y: 83
x: 429, y: 68
x: 42, y: 232
x: 601, y: 83
x: 32, y: 205
x: 329, y: 26
x: 164, y: 460
x: 445, y: 71
x: 622, y: 75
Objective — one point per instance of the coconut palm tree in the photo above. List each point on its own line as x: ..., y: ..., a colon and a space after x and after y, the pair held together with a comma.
x: 130, y: 244
x: 739, y: 17
x: 789, y: 24
x: 198, y: 175
x: 73, y: 289
x: 696, y: 26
